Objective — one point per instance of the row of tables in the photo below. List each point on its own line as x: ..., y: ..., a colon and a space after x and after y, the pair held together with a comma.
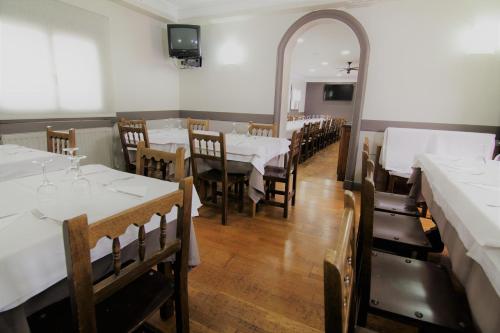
x: 463, y: 196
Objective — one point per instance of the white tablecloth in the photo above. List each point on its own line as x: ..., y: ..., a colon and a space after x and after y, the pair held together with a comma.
x: 294, y: 125
x: 17, y: 161
x: 468, y: 193
x: 255, y: 150
x: 402, y: 145
x: 32, y: 251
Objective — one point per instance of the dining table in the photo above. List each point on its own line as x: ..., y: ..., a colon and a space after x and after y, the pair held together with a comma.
x: 296, y: 125
x: 463, y: 196
x: 17, y: 161
x: 401, y: 146
x: 245, y: 153
x: 32, y: 257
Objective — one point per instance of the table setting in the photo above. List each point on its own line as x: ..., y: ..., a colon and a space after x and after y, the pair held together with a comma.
x: 33, y: 205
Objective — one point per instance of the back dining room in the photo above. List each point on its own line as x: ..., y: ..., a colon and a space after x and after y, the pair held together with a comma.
x: 245, y: 166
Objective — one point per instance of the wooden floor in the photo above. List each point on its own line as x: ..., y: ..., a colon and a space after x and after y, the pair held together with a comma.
x: 265, y: 274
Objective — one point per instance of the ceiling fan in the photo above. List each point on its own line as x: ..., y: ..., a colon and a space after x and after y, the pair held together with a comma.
x: 349, y: 68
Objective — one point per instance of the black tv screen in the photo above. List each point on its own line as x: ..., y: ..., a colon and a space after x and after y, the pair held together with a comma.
x: 184, y: 40
x: 338, y: 92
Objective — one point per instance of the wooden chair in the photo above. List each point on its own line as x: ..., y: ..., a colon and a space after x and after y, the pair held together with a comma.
x: 397, y: 233
x: 205, y: 147
x: 58, y: 140
x: 305, y: 152
x: 274, y: 174
x: 339, y: 269
x: 415, y: 292
x: 156, y: 163
x: 269, y: 130
x: 122, y: 301
x: 198, y: 124
x: 131, y: 133
x: 389, y: 202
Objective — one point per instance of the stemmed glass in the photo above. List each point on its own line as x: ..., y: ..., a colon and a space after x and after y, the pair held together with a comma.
x: 234, y: 129
x: 46, y: 190
x: 80, y: 184
x: 179, y: 124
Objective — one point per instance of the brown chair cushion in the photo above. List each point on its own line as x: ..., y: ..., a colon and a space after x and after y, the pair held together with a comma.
x: 121, y: 312
x: 216, y: 175
x: 398, y: 231
x: 418, y: 292
x: 274, y: 172
x: 395, y: 203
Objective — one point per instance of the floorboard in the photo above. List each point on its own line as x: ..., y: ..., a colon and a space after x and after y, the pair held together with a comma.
x: 265, y: 274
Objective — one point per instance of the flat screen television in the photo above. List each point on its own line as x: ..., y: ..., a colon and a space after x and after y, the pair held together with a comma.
x: 338, y: 92
x: 184, y: 41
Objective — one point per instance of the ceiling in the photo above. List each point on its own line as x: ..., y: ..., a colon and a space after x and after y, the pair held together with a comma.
x: 177, y: 10
x: 322, y: 49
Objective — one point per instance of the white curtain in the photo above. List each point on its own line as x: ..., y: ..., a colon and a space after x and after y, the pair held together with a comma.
x: 54, y: 61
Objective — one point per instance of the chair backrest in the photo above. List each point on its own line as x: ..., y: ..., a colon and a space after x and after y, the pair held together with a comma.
x: 58, y: 140
x: 340, y: 274
x: 198, y: 124
x: 131, y: 133
x: 207, y: 147
x: 365, y: 236
x: 269, y: 130
x: 293, y: 156
x: 366, y: 145
x: 80, y: 237
x: 157, y: 164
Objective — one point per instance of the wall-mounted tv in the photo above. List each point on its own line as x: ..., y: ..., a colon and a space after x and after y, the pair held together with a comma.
x: 338, y: 92
x: 184, y: 41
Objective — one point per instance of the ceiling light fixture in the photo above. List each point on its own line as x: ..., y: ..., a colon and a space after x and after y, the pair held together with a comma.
x: 324, y: 63
x: 300, y: 40
x: 312, y: 70
x: 345, y: 52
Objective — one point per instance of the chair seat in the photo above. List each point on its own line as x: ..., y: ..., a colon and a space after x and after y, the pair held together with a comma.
x: 216, y: 175
x: 395, y: 203
x: 418, y: 292
x: 274, y: 173
x: 395, y: 233
x: 122, y: 312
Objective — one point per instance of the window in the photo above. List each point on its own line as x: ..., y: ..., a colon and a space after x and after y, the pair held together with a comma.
x: 53, y: 60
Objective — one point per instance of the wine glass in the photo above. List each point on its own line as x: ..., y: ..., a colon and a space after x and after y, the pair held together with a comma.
x: 234, y: 129
x: 73, y: 168
x: 179, y: 124
x: 80, y: 184
x: 47, y: 190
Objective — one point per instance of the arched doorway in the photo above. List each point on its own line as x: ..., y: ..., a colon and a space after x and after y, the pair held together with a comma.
x: 282, y: 67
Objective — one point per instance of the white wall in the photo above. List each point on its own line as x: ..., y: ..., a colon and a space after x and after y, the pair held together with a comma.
x: 418, y: 69
x: 144, y: 77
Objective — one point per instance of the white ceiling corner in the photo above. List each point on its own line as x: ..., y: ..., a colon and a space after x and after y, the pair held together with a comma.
x: 178, y: 10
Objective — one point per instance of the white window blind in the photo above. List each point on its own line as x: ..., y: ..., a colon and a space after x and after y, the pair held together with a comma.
x: 54, y: 60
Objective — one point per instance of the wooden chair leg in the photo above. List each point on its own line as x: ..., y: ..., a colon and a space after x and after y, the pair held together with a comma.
x: 214, y: 192
x: 267, y: 189
x: 273, y: 189
x: 181, y: 298
x: 392, y: 182
x: 294, y: 185
x: 241, y: 190
x: 224, y: 203
x: 167, y: 309
x: 285, y: 212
